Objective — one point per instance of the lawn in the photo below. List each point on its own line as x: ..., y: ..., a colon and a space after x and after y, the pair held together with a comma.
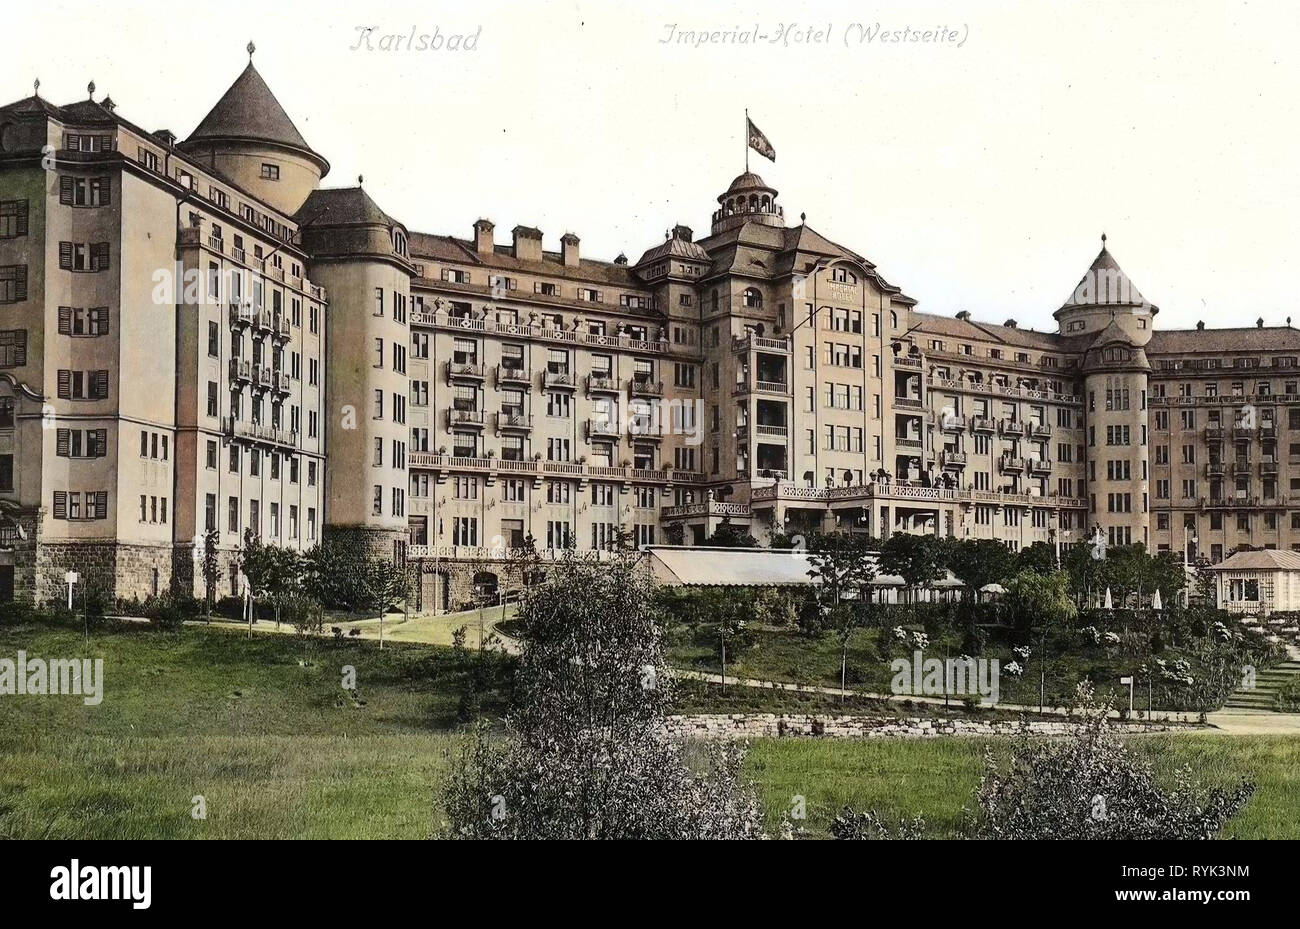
x: 262, y: 729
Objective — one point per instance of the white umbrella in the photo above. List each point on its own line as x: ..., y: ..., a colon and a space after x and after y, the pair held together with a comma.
x: 1109, y: 605
x: 1155, y: 601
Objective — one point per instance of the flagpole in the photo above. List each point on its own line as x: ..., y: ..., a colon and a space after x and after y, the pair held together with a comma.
x: 746, y: 136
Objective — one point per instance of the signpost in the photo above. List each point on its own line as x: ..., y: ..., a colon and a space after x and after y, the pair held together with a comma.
x: 72, y: 577
x: 1129, y: 681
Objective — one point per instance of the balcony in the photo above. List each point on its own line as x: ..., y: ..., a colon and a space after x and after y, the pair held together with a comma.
x: 751, y: 385
x: 1268, y: 466
x: 563, y: 380
x: 760, y: 343
x: 907, y: 361
x: 241, y: 370
x: 953, y: 423
x: 644, y: 387
x: 510, y: 376
x: 983, y: 424
x: 949, y: 459
x: 1010, y: 427
x: 465, y: 418
x: 282, y: 328
x: 603, y: 429
x: 264, y: 321
x: 1242, y: 432
x: 514, y: 421
x: 909, y: 403
x: 263, y: 376
x: 1214, y: 469
x: 281, y: 384
x: 241, y: 315
x: 770, y: 431
x: 464, y: 371
x: 1268, y: 431
x: 1011, y: 464
x: 1213, y: 433
x: 258, y: 432
x: 1241, y: 467
x: 1040, y: 430
x: 602, y: 384
x: 1040, y: 466
x: 904, y: 441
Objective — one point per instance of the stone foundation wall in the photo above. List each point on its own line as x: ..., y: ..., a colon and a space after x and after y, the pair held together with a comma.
x: 364, y: 541
x: 111, y: 570
x: 771, y: 725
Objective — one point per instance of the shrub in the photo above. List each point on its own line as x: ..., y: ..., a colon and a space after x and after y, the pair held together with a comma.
x: 1288, y: 696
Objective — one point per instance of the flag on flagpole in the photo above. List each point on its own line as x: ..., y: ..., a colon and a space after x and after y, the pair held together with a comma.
x: 758, y: 142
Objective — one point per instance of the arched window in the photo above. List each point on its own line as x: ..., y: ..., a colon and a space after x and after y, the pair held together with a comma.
x: 715, y: 299
x: 753, y: 203
x: 753, y: 298
x: 893, y: 320
x: 399, y: 242
x: 767, y: 203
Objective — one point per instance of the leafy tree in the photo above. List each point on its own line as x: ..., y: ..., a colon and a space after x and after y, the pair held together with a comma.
x: 1039, y: 601
x: 917, y: 559
x: 586, y: 756
x: 842, y: 569
x: 258, y: 564
x: 1040, y: 556
x: 980, y: 562
x: 729, y: 536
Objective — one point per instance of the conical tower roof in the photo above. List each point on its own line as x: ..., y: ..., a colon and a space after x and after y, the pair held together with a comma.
x: 1105, y: 284
x: 248, y: 111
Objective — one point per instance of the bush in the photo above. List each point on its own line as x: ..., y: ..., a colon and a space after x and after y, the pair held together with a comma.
x: 1288, y: 696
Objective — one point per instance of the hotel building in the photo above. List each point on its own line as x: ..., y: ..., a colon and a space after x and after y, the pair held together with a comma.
x: 327, y: 371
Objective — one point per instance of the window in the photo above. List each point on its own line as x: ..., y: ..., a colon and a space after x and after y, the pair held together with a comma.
x: 13, y: 218
x: 13, y: 283
x: 270, y: 172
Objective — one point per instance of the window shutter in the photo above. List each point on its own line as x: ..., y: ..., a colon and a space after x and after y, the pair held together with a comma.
x: 101, y: 504
x: 101, y: 320
x: 61, y: 442
x: 105, y: 191
x: 65, y: 320
x: 65, y: 256
x: 20, y: 348
x: 21, y: 218
x: 60, y: 504
x: 20, y: 284
x: 100, y: 388
x: 65, y: 189
x: 65, y: 384
x: 99, y: 443
x: 99, y: 256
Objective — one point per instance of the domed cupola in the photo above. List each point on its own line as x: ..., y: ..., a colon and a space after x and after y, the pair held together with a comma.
x: 747, y: 200
x: 249, y: 138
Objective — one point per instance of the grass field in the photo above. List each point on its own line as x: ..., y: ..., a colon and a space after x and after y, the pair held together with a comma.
x: 262, y: 729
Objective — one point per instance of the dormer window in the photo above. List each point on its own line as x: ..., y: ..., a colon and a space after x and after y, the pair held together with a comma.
x: 752, y: 298
x: 399, y: 242
x: 843, y: 276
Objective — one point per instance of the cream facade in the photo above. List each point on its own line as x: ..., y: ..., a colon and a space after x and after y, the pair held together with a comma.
x: 444, y: 398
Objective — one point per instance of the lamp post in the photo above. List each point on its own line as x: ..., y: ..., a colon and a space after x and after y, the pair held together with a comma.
x: 1129, y: 680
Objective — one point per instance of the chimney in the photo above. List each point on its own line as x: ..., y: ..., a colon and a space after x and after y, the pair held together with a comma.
x: 1010, y: 324
x: 963, y: 314
x: 569, y: 249
x: 527, y: 243
x: 483, y: 241
x: 1200, y: 325
x: 1259, y: 323
x: 682, y: 232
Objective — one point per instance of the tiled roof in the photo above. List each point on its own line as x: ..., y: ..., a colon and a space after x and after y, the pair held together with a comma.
x: 932, y: 324
x: 426, y: 246
x: 1269, y: 559
x: 333, y: 206
x: 1105, y: 284
x: 248, y: 110
x: 1220, y: 341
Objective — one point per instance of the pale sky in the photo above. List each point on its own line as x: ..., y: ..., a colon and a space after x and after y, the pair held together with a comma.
x: 976, y: 176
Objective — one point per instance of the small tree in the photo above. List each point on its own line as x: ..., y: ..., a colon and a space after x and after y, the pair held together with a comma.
x: 980, y: 562
x: 842, y: 568
x: 258, y: 564
x: 587, y: 756
x: 917, y: 559
x: 211, y: 569
x: 385, y: 583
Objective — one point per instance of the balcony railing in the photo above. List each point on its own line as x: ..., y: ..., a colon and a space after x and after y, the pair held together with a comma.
x: 464, y: 417
x: 241, y: 315
x: 644, y: 387
x: 903, y: 441
x: 432, y: 461
x: 241, y: 370
x: 1040, y: 465
x: 771, y: 431
x: 602, y: 384
x: 952, y: 459
x: 784, y: 490
x: 760, y: 343
x: 464, y: 371
x: 953, y: 423
x: 1011, y: 463
x: 282, y: 384
x: 263, y: 375
x: 524, y: 331
x: 508, y: 374
x: 909, y: 403
x: 513, y: 420
x: 983, y: 424
x: 604, y: 428
x: 258, y: 432
x: 562, y: 379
